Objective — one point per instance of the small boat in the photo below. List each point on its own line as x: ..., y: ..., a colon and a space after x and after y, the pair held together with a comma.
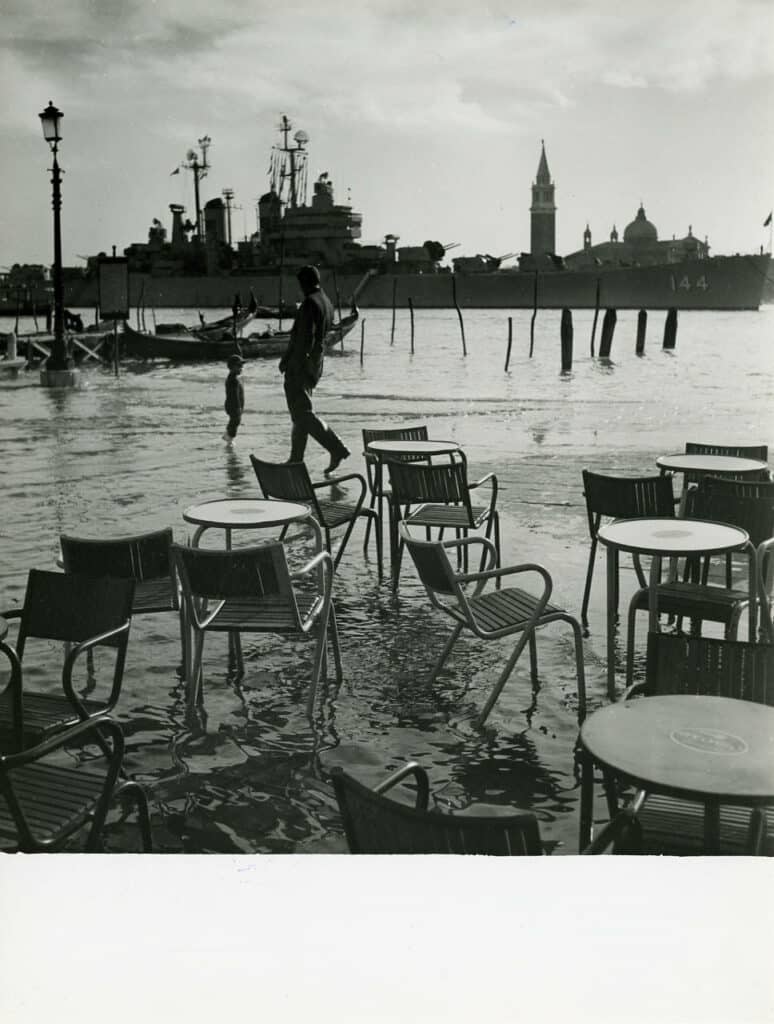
x: 187, y: 347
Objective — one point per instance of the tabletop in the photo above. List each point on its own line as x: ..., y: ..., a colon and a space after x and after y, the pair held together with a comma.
x: 709, y: 464
x: 413, y: 447
x: 246, y: 512
x: 692, y: 746
x: 667, y: 536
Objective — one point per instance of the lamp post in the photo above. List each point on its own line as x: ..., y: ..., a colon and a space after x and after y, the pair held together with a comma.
x: 58, y: 369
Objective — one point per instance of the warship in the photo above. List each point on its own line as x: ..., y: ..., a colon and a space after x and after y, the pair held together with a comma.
x: 200, y: 267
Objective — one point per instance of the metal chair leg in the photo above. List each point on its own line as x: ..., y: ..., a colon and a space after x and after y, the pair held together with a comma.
x: 445, y: 652
x: 498, y: 686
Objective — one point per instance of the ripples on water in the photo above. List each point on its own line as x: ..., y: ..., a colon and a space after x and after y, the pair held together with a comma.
x: 246, y: 773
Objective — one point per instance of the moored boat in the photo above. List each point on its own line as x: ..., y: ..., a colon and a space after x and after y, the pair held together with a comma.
x: 186, y: 347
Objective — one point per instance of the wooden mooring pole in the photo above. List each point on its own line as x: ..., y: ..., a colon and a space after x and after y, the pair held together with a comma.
x: 608, y: 329
x: 510, y: 342
x: 596, y: 315
x: 534, y: 314
x: 459, y: 313
x: 670, y: 329
x: 566, y: 334
x: 362, y: 340
x: 642, y: 327
x: 394, y: 294
x: 411, y: 314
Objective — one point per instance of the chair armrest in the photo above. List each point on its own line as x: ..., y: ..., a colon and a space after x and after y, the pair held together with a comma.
x: 490, y: 478
x: 624, y: 824
x: 510, y: 570
x: 323, y: 564
x: 485, y: 542
x: 334, y: 480
x: 86, y: 645
x: 423, y: 784
x: 319, y: 559
x: 99, y: 725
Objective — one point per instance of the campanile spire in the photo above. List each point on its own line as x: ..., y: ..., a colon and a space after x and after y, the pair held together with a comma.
x: 543, y: 209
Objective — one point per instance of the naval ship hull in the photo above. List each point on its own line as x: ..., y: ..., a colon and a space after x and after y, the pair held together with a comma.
x: 721, y: 283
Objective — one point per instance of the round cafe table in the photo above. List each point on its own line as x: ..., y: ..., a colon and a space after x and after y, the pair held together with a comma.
x: 712, y: 749
x: 247, y: 514
x: 671, y: 538
x: 707, y: 465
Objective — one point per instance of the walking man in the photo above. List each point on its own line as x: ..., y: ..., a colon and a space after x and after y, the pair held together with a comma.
x: 302, y: 365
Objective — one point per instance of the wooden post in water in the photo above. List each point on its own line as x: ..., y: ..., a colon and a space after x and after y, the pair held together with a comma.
x: 566, y: 333
x: 394, y: 293
x: 642, y: 327
x: 338, y: 295
x: 608, y: 329
x: 411, y: 314
x: 596, y: 314
x: 670, y: 329
x: 362, y: 340
x: 459, y: 312
x: 510, y: 341
x: 115, y: 347
x: 534, y: 314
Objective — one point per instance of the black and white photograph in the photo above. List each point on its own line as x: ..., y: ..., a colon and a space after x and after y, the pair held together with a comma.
x: 386, y: 407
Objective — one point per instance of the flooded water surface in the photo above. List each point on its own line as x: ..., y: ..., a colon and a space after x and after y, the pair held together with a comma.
x: 247, y: 771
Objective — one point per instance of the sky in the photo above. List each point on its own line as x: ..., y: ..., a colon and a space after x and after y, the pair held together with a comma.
x: 428, y: 116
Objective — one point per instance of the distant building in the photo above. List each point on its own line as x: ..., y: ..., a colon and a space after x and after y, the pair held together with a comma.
x: 640, y: 247
x: 543, y: 210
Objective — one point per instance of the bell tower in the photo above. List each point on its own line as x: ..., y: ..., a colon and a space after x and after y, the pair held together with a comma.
x: 543, y: 210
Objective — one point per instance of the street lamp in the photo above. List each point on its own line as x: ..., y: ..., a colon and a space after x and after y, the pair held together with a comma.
x: 51, y: 120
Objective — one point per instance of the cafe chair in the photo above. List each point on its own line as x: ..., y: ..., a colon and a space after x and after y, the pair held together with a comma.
x: 290, y: 481
x: 44, y: 804
x: 699, y: 600
x: 379, y: 492
x: 375, y: 823
x: 618, y: 497
x: 439, y: 497
x: 251, y: 590
x: 708, y: 666
x: 145, y: 558
x: 88, y: 615
x: 494, y: 613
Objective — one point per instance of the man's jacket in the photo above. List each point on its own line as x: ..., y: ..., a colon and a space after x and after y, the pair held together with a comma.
x: 306, y: 349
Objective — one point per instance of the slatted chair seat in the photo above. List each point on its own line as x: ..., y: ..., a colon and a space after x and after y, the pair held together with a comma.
x: 263, y: 615
x: 44, y: 805
x: 84, y: 613
x: 250, y: 590
x: 155, y: 596
x: 490, y: 614
x: 448, y: 516
x: 672, y: 826
x: 507, y: 608
x: 290, y: 481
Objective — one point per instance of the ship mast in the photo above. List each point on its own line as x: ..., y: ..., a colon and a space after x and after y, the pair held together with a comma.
x: 289, y: 163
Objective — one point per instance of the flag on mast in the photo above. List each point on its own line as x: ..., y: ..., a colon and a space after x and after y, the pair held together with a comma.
x: 768, y: 220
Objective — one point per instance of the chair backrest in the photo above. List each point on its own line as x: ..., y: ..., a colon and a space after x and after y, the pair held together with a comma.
x: 738, y: 451
x: 414, y: 483
x: 418, y: 433
x: 755, y: 514
x: 740, y: 487
x: 253, y: 572
x: 375, y: 823
x: 144, y: 557
x: 432, y: 564
x: 678, y: 664
x: 73, y: 608
x: 624, y: 497
x: 288, y: 481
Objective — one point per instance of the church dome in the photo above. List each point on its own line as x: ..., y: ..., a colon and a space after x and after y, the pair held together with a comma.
x: 640, y: 230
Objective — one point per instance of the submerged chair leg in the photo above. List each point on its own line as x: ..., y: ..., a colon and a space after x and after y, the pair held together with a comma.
x: 587, y: 587
x: 445, y: 652
x: 498, y: 686
x: 333, y: 630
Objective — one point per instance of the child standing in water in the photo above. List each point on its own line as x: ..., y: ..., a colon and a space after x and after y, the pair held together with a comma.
x: 235, y: 397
